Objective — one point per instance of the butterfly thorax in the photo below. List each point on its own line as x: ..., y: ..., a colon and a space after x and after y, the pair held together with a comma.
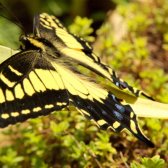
x: 32, y: 43
x: 40, y: 44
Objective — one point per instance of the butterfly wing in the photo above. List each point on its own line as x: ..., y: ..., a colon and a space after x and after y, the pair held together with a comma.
x: 29, y: 87
x: 98, y: 104
x: 71, y: 46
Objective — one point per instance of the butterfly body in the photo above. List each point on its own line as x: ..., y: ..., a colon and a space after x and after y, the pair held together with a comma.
x: 40, y: 79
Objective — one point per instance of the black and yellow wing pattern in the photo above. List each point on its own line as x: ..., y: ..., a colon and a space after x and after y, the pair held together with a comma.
x: 27, y: 82
x: 40, y: 79
x: 77, y: 49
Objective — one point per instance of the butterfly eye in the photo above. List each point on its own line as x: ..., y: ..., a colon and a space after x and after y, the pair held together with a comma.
x: 23, y: 38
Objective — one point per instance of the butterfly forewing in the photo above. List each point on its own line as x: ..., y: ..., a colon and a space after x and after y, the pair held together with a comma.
x: 49, y: 27
x: 30, y: 87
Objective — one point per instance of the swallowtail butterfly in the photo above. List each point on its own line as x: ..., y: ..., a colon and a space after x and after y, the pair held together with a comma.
x: 40, y: 79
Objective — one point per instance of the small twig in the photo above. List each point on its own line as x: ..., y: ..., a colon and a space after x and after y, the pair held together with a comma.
x: 122, y: 158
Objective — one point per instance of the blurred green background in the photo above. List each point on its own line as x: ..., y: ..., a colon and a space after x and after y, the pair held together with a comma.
x: 130, y: 36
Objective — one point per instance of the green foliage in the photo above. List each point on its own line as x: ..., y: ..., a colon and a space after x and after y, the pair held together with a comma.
x: 137, y: 49
x: 82, y: 27
x: 9, y: 33
x: 10, y: 158
x: 149, y: 163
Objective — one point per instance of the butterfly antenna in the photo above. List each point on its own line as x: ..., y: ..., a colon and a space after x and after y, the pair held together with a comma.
x: 36, y: 25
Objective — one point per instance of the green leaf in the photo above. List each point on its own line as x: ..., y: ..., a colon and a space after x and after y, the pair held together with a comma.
x: 10, y: 33
x: 154, y: 162
x: 82, y: 27
x: 59, y: 127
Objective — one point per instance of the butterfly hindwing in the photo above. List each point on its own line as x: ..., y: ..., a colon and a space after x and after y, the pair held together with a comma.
x: 98, y: 104
x: 30, y: 87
